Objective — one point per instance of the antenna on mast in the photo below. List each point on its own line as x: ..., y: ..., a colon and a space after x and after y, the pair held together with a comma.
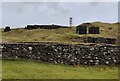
x: 70, y: 22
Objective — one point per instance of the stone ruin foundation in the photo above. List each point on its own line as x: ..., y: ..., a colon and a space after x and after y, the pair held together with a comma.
x: 44, y: 27
x: 100, y: 40
x: 60, y: 53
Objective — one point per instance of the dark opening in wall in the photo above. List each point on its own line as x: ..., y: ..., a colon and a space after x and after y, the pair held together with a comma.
x: 94, y: 30
x: 7, y: 28
x: 81, y: 29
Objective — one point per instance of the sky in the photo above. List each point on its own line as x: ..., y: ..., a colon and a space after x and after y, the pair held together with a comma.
x: 19, y: 14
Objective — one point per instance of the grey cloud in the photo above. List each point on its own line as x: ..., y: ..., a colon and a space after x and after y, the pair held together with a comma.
x: 17, y: 14
x: 21, y: 7
x: 94, y: 3
x: 57, y: 7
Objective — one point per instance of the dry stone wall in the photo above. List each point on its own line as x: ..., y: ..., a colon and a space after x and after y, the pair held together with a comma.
x: 100, y: 40
x: 44, y: 26
x: 59, y: 53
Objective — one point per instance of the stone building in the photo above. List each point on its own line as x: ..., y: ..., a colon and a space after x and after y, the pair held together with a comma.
x: 81, y: 29
x: 87, y: 28
x: 7, y: 28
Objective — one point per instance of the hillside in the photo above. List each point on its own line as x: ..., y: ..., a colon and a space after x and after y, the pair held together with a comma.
x: 65, y: 35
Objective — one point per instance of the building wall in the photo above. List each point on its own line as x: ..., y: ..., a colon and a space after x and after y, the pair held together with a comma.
x: 63, y: 53
x: 94, y: 30
x: 87, y: 29
x: 81, y: 29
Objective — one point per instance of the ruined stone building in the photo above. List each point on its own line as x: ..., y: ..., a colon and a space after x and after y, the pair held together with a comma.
x: 87, y: 28
x: 7, y: 28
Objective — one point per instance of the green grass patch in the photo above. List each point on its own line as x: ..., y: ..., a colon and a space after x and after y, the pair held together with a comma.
x: 24, y: 69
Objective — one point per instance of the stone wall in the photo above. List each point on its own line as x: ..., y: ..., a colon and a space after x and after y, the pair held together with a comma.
x: 100, y: 40
x: 59, y: 53
x: 44, y: 26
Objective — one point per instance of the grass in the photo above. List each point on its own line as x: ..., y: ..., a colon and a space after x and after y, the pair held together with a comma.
x: 64, y: 35
x: 23, y: 69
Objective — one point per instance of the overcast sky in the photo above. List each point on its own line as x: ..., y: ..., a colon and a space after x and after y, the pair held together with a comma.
x: 19, y: 14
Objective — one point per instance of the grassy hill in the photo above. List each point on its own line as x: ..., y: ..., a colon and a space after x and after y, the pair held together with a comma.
x: 23, y: 69
x: 65, y: 35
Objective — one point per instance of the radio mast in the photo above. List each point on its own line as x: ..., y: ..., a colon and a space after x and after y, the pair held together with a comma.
x: 70, y: 22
